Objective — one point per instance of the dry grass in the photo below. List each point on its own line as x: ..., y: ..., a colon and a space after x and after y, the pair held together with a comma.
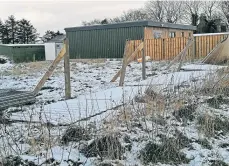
x: 210, y: 125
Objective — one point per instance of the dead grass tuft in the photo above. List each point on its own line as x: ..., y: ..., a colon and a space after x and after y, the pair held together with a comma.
x: 211, y: 126
x: 218, y: 163
x: 166, y: 153
x: 75, y: 133
x: 107, y: 146
x: 186, y: 113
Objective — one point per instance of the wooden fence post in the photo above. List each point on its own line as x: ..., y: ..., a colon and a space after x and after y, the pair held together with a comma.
x: 67, y: 71
x: 143, y: 61
x: 50, y: 70
x: 124, y: 63
x: 163, y: 48
x: 194, y: 49
x: 129, y: 59
x: 34, y: 57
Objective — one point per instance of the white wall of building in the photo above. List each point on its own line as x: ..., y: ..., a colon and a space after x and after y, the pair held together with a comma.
x: 52, y: 50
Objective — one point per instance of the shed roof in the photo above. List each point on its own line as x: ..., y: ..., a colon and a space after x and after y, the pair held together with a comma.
x: 22, y: 45
x: 133, y: 24
x: 57, y: 39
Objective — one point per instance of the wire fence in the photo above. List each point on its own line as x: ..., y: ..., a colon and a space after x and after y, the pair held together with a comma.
x: 168, y: 119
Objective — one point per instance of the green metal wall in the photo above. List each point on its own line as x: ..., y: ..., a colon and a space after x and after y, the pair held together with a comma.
x: 101, y: 43
x: 5, y: 50
x: 23, y: 53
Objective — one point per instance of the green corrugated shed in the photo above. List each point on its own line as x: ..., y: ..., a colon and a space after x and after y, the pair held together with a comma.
x: 23, y: 52
x: 108, y: 41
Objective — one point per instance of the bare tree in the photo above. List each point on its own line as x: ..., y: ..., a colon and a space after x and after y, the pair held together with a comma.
x: 225, y: 9
x: 131, y: 15
x: 210, y: 9
x: 92, y: 22
x: 168, y: 11
x: 155, y: 10
x: 135, y: 15
x: 192, y: 11
x: 173, y: 11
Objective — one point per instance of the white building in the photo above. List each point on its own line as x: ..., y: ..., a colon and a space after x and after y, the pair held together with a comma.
x: 53, y: 47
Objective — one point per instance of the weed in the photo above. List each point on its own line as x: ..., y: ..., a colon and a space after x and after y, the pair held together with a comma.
x: 75, y: 133
x: 3, y: 60
x: 166, y: 153
x: 218, y: 163
x: 210, y: 125
x: 204, y: 143
x: 224, y: 145
x: 107, y: 146
x: 186, y: 113
x: 215, y: 102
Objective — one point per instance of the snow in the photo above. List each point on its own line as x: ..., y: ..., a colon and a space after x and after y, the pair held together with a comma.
x: 21, y: 45
x: 95, y: 99
x: 210, y: 34
x: 201, y: 67
x: 84, y: 106
x: 62, y: 154
x: 6, y: 65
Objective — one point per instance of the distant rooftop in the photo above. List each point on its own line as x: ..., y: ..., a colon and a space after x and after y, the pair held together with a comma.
x: 21, y: 45
x: 57, y: 39
x: 133, y: 24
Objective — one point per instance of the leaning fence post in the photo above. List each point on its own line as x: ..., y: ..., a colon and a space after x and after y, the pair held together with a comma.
x: 124, y: 63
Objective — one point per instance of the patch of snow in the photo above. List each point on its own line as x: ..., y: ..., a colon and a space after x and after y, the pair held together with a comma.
x: 60, y: 154
x: 202, y: 67
x: 69, y: 111
x: 6, y: 65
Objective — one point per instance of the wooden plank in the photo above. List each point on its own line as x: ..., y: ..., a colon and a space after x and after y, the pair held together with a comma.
x: 50, y: 70
x: 67, y: 71
x: 130, y: 59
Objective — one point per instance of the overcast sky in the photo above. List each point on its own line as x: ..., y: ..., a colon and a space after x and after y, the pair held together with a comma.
x: 59, y: 14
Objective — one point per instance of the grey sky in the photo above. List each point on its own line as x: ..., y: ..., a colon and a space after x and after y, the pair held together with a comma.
x: 56, y: 14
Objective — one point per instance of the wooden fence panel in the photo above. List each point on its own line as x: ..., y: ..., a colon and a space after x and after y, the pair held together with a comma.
x: 168, y: 48
x: 205, y: 44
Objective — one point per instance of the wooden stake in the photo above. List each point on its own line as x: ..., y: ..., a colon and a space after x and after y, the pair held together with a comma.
x: 50, y: 70
x: 67, y: 71
x: 130, y: 59
x: 143, y: 62
x: 190, y: 41
x: 178, y: 57
x: 124, y: 64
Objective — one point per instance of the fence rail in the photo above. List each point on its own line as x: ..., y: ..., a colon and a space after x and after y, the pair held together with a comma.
x: 168, y: 48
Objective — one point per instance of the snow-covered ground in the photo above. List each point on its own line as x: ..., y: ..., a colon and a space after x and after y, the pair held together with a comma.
x: 106, y: 108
